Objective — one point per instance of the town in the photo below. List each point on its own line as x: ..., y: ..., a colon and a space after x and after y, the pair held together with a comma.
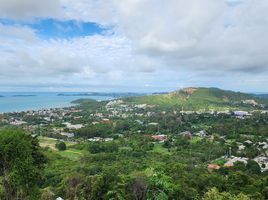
x: 92, y: 137
x: 116, y: 119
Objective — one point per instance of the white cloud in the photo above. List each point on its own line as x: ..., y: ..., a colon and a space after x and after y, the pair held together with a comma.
x: 199, y: 35
x: 167, y: 27
x: 28, y: 9
x: 99, y: 11
x: 176, y: 42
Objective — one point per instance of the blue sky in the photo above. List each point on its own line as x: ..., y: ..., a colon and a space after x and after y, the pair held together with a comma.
x: 58, y: 29
x: 133, y: 45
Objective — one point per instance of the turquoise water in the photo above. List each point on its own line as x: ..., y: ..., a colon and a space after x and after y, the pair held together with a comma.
x: 13, y: 102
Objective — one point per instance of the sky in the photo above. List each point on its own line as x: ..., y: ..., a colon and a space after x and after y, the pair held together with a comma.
x: 133, y: 45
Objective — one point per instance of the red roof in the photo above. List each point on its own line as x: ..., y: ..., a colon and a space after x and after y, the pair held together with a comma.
x: 159, y: 137
x: 213, y: 166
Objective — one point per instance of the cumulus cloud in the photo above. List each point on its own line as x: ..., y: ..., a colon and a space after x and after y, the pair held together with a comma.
x: 201, y: 35
x: 28, y: 9
x: 149, y: 42
x: 227, y: 34
x: 175, y: 26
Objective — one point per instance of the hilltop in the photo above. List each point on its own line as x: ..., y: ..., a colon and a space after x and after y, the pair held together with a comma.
x: 199, y: 98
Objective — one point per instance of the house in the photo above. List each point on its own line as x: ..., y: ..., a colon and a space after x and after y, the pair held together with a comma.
x: 229, y: 164
x: 105, y: 121
x: 186, y: 134
x: 241, y: 113
x: 248, y: 142
x: 95, y: 139
x: 73, y: 126
x: 108, y: 139
x: 263, y: 162
x: 231, y: 161
x: 263, y: 145
x: 18, y: 122
x: 141, y: 106
x: 212, y: 167
x: 153, y: 124
x: 160, y: 138
x: 241, y: 147
x: 250, y: 102
x: 69, y: 135
x: 201, y: 133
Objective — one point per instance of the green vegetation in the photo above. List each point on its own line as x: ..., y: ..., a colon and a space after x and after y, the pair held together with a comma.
x: 123, y: 150
x: 61, y: 146
x: 201, y: 99
x: 21, y: 164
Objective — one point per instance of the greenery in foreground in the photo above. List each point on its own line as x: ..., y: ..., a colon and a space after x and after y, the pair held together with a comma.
x: 129, y: 168
x: 133, y: 165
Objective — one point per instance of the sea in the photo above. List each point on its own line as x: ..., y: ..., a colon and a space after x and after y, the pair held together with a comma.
x: 23, y: 101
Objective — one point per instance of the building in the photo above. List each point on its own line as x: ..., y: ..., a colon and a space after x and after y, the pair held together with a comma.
x: 186, y: 134
x: 241, y: 113
x: 212, y: 167
x: 73, y: 126
x: 161, y: 138
x: 263, y: 162
x: 201, y: 133
x: 69, y: 135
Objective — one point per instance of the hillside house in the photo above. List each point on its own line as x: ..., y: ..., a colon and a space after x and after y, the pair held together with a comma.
x: 160, y: 138
x: 186, y: 134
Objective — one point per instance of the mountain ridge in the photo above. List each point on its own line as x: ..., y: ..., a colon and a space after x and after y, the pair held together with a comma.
x: 202, y: 98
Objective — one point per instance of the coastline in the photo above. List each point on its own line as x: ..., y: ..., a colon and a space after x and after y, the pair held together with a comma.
x: 41, y: 101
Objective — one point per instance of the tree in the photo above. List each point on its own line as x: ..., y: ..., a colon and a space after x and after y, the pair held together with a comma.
x: 47, y: 194
x: 21, y: 163
x: 265, y: 192
x: 139, y: 188
x: 214, y: 194
x: 61, y: 146
x: 253, y: 167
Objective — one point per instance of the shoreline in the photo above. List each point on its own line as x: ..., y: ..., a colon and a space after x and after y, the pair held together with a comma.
x: 67, y: 103
x: 36, y: 110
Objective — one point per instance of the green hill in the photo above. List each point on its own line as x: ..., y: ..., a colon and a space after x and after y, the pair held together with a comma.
x: 204, y: 99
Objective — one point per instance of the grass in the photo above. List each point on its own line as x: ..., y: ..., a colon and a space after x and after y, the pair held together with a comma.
x: 220, y: 161
x: 158, y: 148
x: 202, y: 99
x: 196, y: 139
x: 47, y: 142
x: 70, y: 153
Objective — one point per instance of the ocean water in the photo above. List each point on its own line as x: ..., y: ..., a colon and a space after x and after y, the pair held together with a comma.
x: 16, y: 102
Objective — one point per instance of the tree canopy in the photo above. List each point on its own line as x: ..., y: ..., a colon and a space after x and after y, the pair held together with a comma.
x: 21, y: 163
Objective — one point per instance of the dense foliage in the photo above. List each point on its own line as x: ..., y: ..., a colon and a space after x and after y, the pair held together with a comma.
x: 21, y: 164
x: 114, y: 156
x: 201, y: 99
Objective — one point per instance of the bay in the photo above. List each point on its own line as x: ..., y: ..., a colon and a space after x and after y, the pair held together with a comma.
x: 23, y: 101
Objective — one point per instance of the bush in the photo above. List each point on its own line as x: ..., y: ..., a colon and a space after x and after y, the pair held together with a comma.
x: 253, y: 167
x: 61, y: 146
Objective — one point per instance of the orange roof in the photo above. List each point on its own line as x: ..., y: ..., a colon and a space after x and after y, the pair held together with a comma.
x: 213, y: 166
x: 228, y: 164
x: 159, y: 137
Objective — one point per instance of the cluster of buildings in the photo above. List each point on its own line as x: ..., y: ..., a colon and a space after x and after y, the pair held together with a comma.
x: 230, y: 160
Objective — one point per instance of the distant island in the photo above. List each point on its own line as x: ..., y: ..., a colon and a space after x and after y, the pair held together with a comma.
x: 115, y: 95
x: 24, y: 95
x: 1, y: 96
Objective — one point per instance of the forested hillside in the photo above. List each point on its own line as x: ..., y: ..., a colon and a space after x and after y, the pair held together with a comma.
x: 204, y: 99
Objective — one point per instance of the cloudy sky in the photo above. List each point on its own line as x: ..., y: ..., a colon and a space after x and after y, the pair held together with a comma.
x: 133, y: 45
